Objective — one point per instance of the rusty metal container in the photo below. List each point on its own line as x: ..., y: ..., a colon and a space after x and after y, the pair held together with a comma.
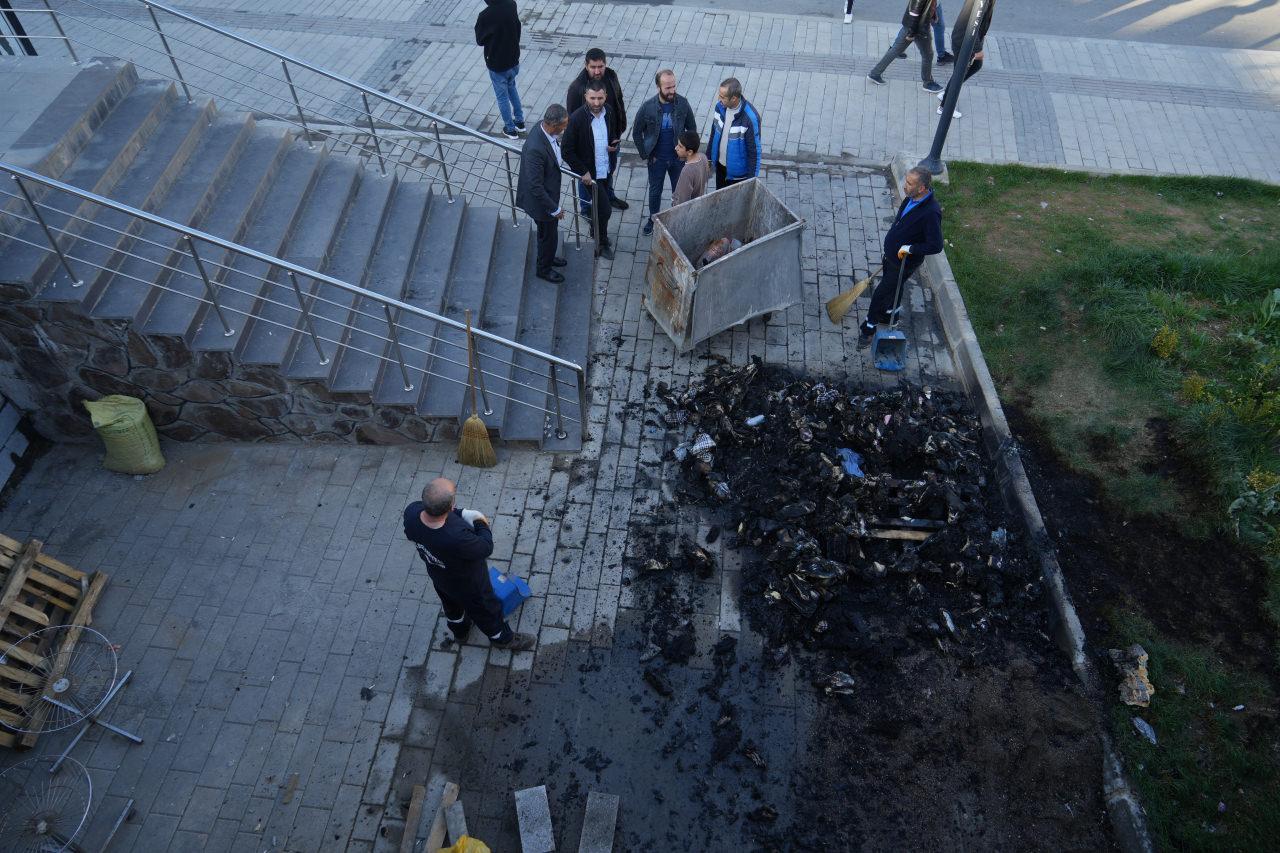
x: 692, y: 304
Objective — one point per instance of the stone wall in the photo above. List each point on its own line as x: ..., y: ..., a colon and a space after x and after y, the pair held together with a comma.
x: 53, y: 357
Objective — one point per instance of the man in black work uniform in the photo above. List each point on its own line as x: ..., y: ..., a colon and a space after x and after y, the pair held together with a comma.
x: 455, y: 544
x: 916, y: 232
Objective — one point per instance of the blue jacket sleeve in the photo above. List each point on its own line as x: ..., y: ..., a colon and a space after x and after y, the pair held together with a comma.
x: 753, y: 140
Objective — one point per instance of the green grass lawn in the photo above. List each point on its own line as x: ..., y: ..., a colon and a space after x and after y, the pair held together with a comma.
x: 1136, y: 321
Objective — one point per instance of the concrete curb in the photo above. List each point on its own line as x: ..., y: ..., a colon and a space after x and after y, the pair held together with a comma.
x: 1127, y: 816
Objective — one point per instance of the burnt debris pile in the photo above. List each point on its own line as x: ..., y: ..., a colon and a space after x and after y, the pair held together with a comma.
x: 872, y: 514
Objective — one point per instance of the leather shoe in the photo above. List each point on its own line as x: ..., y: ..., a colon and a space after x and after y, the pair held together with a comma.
x: 864, y: 337
x: 606, y: 251
x: 551, y: 276
x: 559, y: 262
x: 519, y: 643
x: 618, y: 204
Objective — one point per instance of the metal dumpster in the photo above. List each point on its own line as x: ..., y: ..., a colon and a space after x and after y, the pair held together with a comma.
x: 692, y: 304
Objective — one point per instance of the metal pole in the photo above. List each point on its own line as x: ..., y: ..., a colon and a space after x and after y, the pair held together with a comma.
x: 302, y: 120
x: 475, y: 358
x: 75, y: 60
x: 555, y: 395
x: 511, y: 189
x: 977, y: 11
x: 448, y: 187
x: 306, y: 318
x: 164, y: 41
x: 577, y: 217
x: 208, y: 285
x: 595, y: 215
x: 581, y: 376
x: 48, y: 234
x: 395, y: 342
x: 377, y: 146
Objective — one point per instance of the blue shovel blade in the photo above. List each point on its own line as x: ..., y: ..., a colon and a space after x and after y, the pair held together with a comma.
x: 889, y: 350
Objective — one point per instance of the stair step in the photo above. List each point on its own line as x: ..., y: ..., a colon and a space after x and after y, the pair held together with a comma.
x: 359, y: 363
x: 268, y: 338
x: 225, y: 211
x: 278, y: 171
x: 501, y: 316
x: 61, y: 131
x: 97, y: 169
x: 446, y: 386
x: 349, y: 262
x: 525, y: 420
x: 425, y: 289
x: 105, y: 244
x: 574, y: 321
x: 126, y: 295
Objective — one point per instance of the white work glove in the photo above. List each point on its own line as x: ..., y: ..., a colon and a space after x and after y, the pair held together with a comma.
x: 903, y: 252
x: 470, y: 516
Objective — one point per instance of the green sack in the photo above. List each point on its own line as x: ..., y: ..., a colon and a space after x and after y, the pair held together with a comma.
x: 127, y: 431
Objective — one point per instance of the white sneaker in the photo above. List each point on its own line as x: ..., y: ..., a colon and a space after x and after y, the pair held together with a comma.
x: 954, y: 113
x: 848, y: 17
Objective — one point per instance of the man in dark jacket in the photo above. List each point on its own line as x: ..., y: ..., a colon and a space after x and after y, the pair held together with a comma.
x: 596, y: 67
x: 916, y: 232
x: 498, y: 31
x: 917, y: 22
x: 659, y: 123
x: 591, y: 150
x: 455, y: 544
x: 538, y: 188
x: 982, y: 21
x: 734, y: 146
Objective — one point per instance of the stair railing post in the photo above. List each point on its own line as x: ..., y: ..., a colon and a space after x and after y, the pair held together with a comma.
x: 306, y: 318
x: 208, y: 286
x: 581, y: 376
x: 75, y: 60
x: 373, y: 131
x: 595, y: 215
x: 164, y: 41
x: 444, y: 168
x: 302, y: 120
x: 475, y: 359
x: 555, y: 396
x: 511, y: 188
x: 76, y: 281
x: 577, y: 216
x: 395, y: 343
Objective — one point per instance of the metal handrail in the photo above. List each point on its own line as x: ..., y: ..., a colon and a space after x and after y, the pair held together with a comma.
x: 371, y: 129
x: 21, y: 175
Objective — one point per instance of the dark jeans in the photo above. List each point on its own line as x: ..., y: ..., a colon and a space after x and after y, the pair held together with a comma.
x: 658, y: 169
x: 882, y: 298
x: 548, y: 242
x: 604, y: 190
x: 924, y: 44
x: 467, y: 599
x: 722, y: 181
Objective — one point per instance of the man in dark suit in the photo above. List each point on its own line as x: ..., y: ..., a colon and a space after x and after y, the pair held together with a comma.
x: 538, y: 189
x: 591, y: 149
x: 916, y: 232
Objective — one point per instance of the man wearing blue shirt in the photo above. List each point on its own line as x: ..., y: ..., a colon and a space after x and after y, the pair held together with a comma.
x: 916, y: 232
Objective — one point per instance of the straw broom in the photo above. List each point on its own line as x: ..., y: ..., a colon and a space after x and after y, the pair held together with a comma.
x: 475, y: 449
x: 840, y: 304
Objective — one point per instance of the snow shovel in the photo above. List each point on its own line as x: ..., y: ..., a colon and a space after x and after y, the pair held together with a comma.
x: 889, y: 346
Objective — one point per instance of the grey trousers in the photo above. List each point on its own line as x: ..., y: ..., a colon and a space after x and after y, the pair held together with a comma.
x: 924, y: 44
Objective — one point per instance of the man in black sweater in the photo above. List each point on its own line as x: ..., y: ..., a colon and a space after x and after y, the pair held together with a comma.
x: 591, y: 149
x: 596, y: 69
x: 498, y: 32
x: 916, y: 232
x: 455, y: 544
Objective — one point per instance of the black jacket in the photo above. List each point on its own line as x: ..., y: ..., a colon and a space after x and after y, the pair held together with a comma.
x: 649, y: 123
x: 575, y: 97
x: 921, y: 229
x: 498, y: 31
x: 957, y: 29
x: 538, y: 187
x: 919, y: 16
x: 579, y: 147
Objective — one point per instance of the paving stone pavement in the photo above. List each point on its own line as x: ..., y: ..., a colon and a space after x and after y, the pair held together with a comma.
x: 1052, y: 100
x: 256, y: 589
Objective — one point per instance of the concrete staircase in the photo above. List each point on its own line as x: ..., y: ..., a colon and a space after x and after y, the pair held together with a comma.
x: 138, y: 142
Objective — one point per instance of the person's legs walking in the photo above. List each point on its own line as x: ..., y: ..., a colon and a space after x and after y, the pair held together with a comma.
x: 899, y: 44
x: 502, y: 92
x: 925, y: 45
x: 940, y: 38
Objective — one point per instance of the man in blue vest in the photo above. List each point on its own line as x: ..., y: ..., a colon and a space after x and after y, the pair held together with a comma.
x: 916, y: 232
x: 735, y: 136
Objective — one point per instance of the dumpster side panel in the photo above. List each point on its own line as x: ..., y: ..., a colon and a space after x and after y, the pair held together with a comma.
x: 672, y: 281
x: 760, y: 277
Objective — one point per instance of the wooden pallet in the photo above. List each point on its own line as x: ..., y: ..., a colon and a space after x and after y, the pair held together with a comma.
x: 37, y: 591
